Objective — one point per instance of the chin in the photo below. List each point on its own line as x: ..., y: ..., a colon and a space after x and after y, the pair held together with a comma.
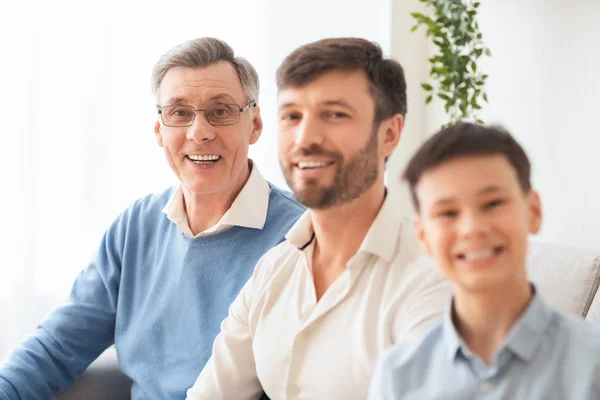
x: 484, y: 282
x: 316, y: 197
x: 204, y: 187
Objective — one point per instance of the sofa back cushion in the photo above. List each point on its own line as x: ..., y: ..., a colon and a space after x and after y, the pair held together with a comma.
x: 567, y: 277
x: 593, y: 314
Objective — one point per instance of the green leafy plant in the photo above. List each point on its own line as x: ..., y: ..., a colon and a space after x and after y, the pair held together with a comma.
x: 454, y: 30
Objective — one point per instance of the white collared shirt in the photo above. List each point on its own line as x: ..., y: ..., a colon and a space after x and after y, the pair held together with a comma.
x: 249, y: 209
x: 277, y: 337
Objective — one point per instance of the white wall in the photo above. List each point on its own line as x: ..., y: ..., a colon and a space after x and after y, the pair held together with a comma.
x: 543, y: 87
x: 411, y: 51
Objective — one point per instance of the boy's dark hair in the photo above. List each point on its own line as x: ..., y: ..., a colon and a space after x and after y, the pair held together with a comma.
x: 467, y: 139
x: 386, y: 76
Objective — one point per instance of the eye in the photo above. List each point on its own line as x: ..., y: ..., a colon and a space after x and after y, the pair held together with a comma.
x: 289, y: 116
x: 447, y: 214
x: 221, y: 111
x: 494, y: 203
x: 181, y: 112
x: 337, y: 115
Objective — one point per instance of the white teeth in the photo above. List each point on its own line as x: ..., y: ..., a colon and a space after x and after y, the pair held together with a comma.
x: 479, y: 255
x: 312, y: 164
x: 211, y: 157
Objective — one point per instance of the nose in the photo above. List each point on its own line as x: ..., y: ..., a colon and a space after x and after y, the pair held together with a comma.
x: 200, y: 130
x: 308, y: 133
x: 472, y: 225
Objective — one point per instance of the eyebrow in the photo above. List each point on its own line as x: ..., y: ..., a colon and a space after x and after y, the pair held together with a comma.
x: 333, y: 102
x: 222, y: 96
x: 217, y: 97
x: 486, y: 190
x: 176, y: 100
x: 490, y: 189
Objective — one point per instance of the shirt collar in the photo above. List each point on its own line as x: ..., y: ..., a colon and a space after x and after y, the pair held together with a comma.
x: 523, y: 338
x: 383, y: 235
x: 452, y: 341
x: 301, y: 235
x: 249, y: 209
x: 381, y: 238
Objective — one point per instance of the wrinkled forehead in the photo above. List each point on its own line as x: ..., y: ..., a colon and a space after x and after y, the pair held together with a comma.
x: 217, y: 83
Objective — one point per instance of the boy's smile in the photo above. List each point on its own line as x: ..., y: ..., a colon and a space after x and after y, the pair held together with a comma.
x: 479, y: 258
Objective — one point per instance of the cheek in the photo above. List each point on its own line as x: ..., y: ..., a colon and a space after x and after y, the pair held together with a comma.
x: 440, y: 234
x: 172, y: 141
x: 512, y: 224
x: 437, y: 240
x: 285, y: 141
x: 519, y: 237
x: 235, y: 141
x: 440, y: 248
x: 443, y: 246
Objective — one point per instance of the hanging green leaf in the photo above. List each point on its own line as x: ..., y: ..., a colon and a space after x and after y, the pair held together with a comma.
x: 454, y: 30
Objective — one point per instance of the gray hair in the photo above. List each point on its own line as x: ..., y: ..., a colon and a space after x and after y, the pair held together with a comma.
x: 201, y: 53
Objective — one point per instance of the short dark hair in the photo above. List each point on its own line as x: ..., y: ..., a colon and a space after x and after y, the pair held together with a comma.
x: 386, y: 76
x: 467, y: 139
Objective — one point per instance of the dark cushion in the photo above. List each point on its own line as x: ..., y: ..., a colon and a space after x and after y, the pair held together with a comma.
x: 103, y: 380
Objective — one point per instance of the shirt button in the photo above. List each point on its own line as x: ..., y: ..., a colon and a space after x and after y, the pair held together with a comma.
x: 487, y: 387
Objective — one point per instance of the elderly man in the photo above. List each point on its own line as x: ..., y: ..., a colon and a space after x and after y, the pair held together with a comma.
x: 322, y: 306
x: 168, y: 268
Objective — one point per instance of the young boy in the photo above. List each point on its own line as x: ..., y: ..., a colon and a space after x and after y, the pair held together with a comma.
x: 498, y: 339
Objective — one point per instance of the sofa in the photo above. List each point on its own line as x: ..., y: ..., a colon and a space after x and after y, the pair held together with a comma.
x: 567, y: 278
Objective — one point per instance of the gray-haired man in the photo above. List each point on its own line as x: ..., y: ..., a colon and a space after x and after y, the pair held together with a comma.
x: 168, y: 268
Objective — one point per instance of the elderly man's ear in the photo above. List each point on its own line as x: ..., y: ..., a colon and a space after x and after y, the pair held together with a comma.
x: 159, y: 138
x: 257, y: 125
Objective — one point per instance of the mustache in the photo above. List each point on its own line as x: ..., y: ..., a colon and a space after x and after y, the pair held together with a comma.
x: 314, y: 150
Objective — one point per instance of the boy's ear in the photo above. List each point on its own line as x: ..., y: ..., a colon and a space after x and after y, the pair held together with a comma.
x: 535, y: 211
x: 421, y: 234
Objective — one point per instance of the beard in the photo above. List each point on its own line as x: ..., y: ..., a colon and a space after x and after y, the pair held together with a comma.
x: 352, y: 178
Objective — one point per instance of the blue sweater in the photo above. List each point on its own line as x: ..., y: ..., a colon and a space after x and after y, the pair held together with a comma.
x: 157, y: 294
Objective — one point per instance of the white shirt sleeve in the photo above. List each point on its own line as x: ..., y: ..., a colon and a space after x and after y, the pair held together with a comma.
x: 230, y: 373
x: 425, y: 306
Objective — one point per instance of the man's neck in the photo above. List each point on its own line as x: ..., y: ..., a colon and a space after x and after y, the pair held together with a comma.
x: 205, y: 210
x: 484, y: 319
x: 339, y: 232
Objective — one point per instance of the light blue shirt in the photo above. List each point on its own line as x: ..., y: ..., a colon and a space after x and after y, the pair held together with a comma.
x: 546, y: 355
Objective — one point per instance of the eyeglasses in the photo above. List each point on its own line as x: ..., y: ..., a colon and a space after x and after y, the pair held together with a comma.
x: 216, y: 114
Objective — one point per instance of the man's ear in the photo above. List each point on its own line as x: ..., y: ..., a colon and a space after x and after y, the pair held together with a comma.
x: 158, y: 133
x: 422, y: 235
x: 257, y: 125
x: 535, y: 211
x: 390, y: 131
